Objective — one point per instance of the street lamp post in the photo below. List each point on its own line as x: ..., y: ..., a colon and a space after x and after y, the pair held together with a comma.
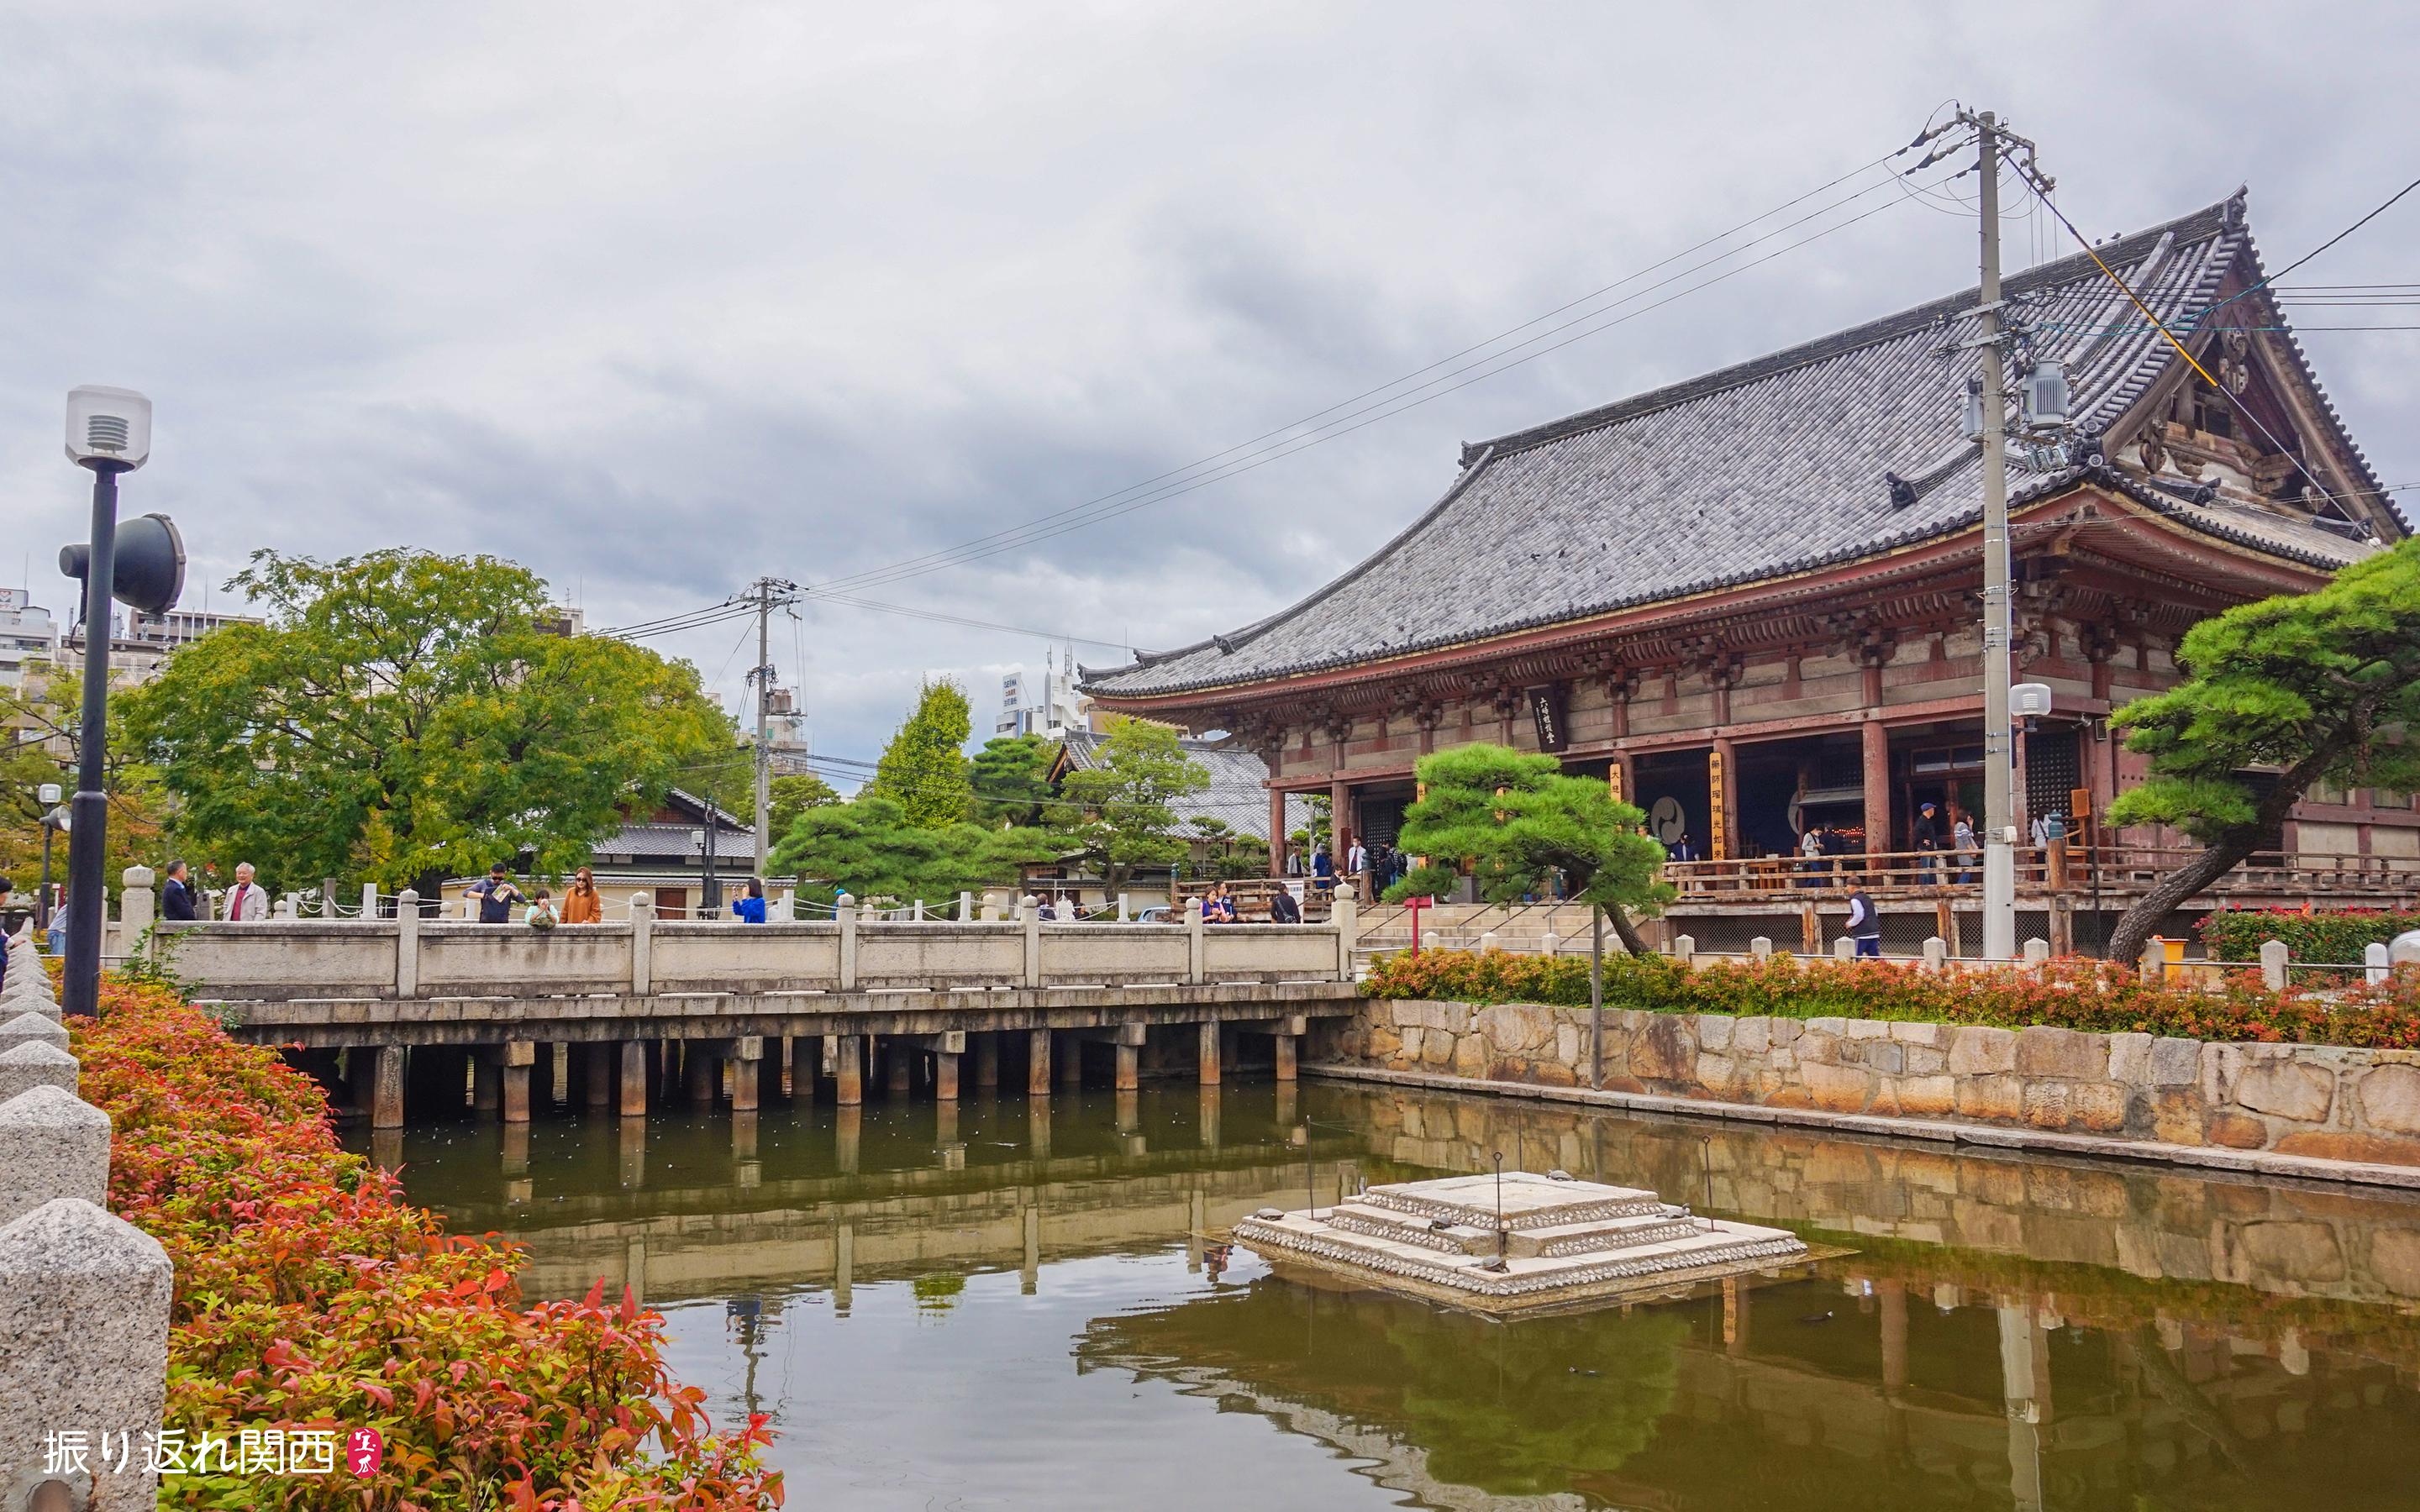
x: 109, y: 432
x: 53, y: 820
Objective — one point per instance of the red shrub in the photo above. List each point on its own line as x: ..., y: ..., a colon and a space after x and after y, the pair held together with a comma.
x: 2072, y: 994
x: 309, y: 1294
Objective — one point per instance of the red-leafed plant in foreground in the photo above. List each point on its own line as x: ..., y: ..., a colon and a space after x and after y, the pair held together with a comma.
x: 310, y: 1295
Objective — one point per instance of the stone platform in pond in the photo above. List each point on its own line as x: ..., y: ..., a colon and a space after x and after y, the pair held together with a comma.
x: 1563, y: 1242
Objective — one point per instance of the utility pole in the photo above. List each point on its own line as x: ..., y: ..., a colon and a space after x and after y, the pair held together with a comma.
x: 1999, y: 835
x: 765, y: 589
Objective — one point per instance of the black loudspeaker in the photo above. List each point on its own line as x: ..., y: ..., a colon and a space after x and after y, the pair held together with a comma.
x: 151, y: 567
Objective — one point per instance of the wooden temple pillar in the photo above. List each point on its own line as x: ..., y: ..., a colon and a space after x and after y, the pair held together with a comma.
x: 1722, y: 788
x: 1877, y: 783
x: 1339, y: 815
x: 1279, y: 844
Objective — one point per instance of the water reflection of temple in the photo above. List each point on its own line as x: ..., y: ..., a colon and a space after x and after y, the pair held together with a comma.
x: 2010, y: 1332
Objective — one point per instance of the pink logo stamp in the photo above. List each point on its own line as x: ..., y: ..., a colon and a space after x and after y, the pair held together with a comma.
x: 364, y: 1450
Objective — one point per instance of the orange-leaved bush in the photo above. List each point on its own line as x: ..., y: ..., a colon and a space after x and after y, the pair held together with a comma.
x: 2069, y: 994
x: 310, y: 1295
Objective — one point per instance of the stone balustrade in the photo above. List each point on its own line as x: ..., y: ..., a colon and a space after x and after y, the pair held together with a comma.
x: 83, y: 1294
x: 412, y: 957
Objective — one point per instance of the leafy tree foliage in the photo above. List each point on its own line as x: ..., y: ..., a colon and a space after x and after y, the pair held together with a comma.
x: 792, y: 794
x: 1515, y: 819
x: 402, y: 713
x: 40, y: 732
x: 869, y: 849
x: 2322, y: 687
x: 1126, y: 823
x: 924, y: 770
x: 1012, y: 781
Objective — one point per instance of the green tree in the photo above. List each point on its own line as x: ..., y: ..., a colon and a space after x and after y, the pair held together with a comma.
x: 1517, y: 819
x: 792, y: 794
x: 402, y: 713
x: 867, y: 848
x: 1126, y: 822
x: 1012, y: 780
x: 924, y: 770
x: 40, y: 732
x: 2322, y: 687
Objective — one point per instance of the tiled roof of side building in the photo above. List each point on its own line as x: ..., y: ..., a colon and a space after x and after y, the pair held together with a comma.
x: 1771, y: 467
x: 1237, y: 795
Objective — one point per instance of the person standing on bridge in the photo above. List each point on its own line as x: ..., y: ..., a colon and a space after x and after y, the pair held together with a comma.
x: 177, y: 896
x: 246, y: 902
x: 749, y: 908
x: 581, y: 904
x: 496, y: 896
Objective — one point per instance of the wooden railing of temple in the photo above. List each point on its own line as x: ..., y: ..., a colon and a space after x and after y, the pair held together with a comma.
x: 2114, y: 872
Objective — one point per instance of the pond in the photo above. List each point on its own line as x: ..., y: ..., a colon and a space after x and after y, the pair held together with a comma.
x: 1015, y: 1305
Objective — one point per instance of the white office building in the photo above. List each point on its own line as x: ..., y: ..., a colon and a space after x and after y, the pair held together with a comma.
x: 27, y: 634
x: 1048, y: 706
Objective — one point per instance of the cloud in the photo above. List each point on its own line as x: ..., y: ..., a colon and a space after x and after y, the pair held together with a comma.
x: 660, y: 300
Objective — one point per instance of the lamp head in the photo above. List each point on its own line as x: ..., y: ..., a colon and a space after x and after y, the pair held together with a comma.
x: 108, y: 428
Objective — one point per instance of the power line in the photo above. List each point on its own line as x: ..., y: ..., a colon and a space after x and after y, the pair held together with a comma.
x: 1386, y: 410
x: 2315, y: 251
x: 1164, y: 486
x: 958, y: 619
x: 2157, y: 324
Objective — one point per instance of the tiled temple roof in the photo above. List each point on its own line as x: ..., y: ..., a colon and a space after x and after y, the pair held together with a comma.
x: 1768, y: 467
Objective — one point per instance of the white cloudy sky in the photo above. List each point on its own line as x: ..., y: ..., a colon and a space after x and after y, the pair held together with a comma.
x: 657, y: 298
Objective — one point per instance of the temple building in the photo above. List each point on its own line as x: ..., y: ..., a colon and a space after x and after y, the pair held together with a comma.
x: 1752, y: 600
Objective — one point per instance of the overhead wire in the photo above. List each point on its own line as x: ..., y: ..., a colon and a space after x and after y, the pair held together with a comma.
x: 1335, y: 430
x: 2161, y: 326
x: 1173, y: 483
x: 2323, y: 246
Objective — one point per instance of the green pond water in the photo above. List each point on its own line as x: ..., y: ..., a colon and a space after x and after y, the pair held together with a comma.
x: 1018, y: 1305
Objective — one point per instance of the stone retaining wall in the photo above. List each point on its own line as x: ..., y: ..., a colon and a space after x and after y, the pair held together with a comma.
x: 2318, y: 1101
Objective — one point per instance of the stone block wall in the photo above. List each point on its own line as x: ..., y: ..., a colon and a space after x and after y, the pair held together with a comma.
x: 2322, y: 1102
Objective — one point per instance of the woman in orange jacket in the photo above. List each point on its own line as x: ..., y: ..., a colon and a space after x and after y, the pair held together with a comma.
x: 581, y: 904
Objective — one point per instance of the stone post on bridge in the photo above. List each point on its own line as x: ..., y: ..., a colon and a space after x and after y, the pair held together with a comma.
x: 845, y: 915
x: 1030, y: 916
x: 407, y: 943
x: 83, y: 1294
x: 642, y: 928
x: 137, y: 907
x: 1196, y: 942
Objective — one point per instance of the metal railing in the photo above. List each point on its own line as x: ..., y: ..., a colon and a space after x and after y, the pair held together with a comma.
x: 2062, y: 866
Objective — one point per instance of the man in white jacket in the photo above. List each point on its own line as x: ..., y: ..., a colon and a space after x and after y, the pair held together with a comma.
x: 246, y: 901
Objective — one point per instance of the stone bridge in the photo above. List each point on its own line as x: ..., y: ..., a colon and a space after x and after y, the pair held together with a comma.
x: 397, y: 1010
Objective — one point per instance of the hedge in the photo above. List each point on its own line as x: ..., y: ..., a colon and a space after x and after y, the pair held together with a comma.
x: 2069, y: 994
x: 310, y: 1295
x: 2336, y: 937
